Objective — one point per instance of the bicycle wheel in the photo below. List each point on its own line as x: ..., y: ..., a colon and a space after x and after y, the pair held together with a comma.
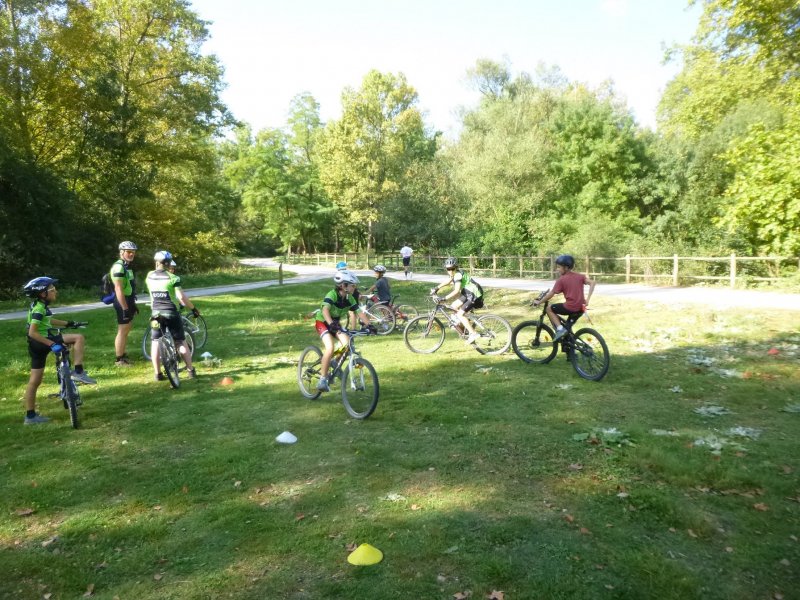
x: 590, y: 356
x: 146, y: 341
x: 424, y: 335
x: 533, y: 342
x: 189, y: 339
x: 70, y: 395
x: 382, y: 317
x: 169, y: 359
x: 495, y: 334
x: 404, y: 313
x: 196, y: 326
x: 360, y: 389
x: 308, y: 372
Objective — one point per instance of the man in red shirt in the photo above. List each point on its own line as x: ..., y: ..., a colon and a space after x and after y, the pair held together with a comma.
x: 571, y: 285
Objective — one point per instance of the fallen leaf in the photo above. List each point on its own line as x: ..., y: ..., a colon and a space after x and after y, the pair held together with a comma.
x: 415, y: 507
x: 89, y: 591
x: 47, y: 596
x: 787, y: 469
x: 299, y: 517
x: 237, y: 484
x: 623, y: 495
x: 24, y: 512
x: 773, y: 351
x: 351, y: 546
x: 576, y: 466
x: 496, y: 595
x: 585, y: 531
x: 158, y: 576
x: 185, y: 489
x: 728, y: 549
x: 761, y: 506
x: 609, y: 586
x: 50, y: 541
x: 777, y: 596
x: 569, y: 518
x: 462, y: 595
x: 691, y: 533
x: 785, y: 562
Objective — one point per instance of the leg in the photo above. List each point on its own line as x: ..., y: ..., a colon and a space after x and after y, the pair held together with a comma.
x: 121, y: 341
x: 78, y: 343
x: 155, y: 356
x: 30, y: 390
x: 327, y: 353
x: 553, y: 316
x: 183, y: 350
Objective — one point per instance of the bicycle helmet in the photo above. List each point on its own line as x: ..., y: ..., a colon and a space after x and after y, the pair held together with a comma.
x: 451, y: 263
x: 128, y: 246
x: 341, y: 265
x: 379, y: 269
x: 345, y: 277
x: 173, y: 264
x: 565, y: 260
x: 163, y: 256
x: 38, y: 285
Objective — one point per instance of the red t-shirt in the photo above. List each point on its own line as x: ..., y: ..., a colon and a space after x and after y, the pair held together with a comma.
x: 571, y: 285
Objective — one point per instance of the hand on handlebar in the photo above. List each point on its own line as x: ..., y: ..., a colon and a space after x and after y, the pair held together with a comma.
x: 76, y: 324
x: 334, y: 327
x: 56, y: 348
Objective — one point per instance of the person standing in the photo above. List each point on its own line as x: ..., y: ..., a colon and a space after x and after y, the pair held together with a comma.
x: 124, y: 300
x: 405, y: 254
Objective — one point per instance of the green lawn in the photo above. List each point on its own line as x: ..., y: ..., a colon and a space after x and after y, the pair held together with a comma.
x: 475, y: 474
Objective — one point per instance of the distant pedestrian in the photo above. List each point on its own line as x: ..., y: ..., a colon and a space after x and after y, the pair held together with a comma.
x: 405, y: 253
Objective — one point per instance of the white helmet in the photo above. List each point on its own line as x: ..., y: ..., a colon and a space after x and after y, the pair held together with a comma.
x: 163, y: 256
x: 379, y: 269
x: 345, y: 277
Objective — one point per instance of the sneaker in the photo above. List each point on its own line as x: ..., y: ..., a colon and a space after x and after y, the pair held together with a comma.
x: 123, y: 362
x: 191, y: 373
x: 559, y: 334
x: 159, y: 377
x: 473, y: 337
x: 36, y: 419
x: 322, y: 386
x: 83, y: 378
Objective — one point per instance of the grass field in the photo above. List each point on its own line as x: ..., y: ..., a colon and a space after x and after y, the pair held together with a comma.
x: 476, y: 475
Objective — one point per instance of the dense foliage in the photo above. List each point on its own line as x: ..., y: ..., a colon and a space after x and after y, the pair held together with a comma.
x: 111, y: 128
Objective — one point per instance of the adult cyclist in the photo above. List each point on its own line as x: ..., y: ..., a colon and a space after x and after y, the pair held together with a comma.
x: 166, y: 295
x: 124, y: 299
x: 467, y: 292
x: 337, y: 303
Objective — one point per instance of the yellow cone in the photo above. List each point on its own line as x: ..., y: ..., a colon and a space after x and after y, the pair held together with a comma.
x: 365, y: 555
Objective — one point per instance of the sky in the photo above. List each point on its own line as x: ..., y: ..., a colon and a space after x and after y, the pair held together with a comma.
x: 273, y: 50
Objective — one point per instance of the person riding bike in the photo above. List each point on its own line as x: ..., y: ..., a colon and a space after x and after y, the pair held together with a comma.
x: 571, y: 285
x: 337, y: 303
x: 467, y: 291
x: 42, y: 291
x: 124, y: 299
x: 381, y: 285
x: 166, y: 294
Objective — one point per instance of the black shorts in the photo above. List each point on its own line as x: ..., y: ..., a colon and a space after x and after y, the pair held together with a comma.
x: 406, y: 261
x: 468, y: 300
x: 38, y: 352
x: 131, y: 310
x: 173, y: 322
x: 560, y: 309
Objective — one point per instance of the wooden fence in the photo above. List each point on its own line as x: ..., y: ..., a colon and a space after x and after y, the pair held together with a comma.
x: 675, y: 270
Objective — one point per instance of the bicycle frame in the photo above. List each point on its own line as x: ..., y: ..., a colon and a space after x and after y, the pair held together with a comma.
x: 450, y: 315
x: 343, y: 353
x: 67, y: 390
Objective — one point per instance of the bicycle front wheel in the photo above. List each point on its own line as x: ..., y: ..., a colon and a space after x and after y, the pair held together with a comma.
x: 169, y: 359
x: 360, y: 388
x: 404, y: 313
x: 197, y: 328
x: 382, y: 318
x: 533, y: 342
x: 590, y: 356
x: 308, y: 372
x: 424, y: 335
x: 494, y: 332
x: 146, y: 341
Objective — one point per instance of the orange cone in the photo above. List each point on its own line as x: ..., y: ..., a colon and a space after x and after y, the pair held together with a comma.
x: 226, y: 381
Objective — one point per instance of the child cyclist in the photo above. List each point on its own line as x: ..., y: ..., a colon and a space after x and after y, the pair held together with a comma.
x: 338, y: 302
x: 467, y: 292
x: 43, y: 292
x: 381, y: 285
x: 571, y: 285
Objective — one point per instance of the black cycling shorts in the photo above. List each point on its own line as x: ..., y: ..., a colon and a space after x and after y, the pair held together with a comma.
x: 38, y: 353
x: 131, y: 310
x: 467, y: 300
x: 173, y: 322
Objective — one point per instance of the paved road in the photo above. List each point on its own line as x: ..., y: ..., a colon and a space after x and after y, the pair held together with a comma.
x: 716, y: 297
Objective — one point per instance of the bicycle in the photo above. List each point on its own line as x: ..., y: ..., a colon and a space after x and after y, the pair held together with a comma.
x: 360, y: 387
x: 586, y: 349
x: 189, y: 327
x: 425, y: 334
x: 385, y: 316
x: 167, y: 352
x: 67, y: 390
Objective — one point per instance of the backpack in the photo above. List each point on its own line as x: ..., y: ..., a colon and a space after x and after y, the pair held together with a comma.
x: 107, y: 293
x: 479, y: 300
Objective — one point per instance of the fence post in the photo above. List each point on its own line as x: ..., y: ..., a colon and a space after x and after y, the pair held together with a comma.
x: 733, y: 269
x: 494, y: 265
x: 520, y: 266
x: 588, y: 270
x: 280, y: 273
x: 552, y: 266
x: 627, y: 268
x: 429, y: 262
x: 675, y: 270
x: 471, y: 264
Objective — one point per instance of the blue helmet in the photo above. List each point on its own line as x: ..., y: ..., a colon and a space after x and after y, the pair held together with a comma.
x: 341, y: 265
x: 163, y: 256
x: 38, y: 285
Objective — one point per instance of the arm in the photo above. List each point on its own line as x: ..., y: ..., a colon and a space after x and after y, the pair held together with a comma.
x: 118, y: 290
x: 34, y: 334
x: 546, y: 297
x: 184, y: 299
x: 592, y: 283
x: 326, y: 314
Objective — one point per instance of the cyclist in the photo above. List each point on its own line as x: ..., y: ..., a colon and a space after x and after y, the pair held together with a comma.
x: 43, y: 292
x: 166, y: 294
x: 337, y: 303
x: 467, y: 292
x: 571, y: 285
x: 124, y: 299
x: 381, y: 285
x: 172, y: 266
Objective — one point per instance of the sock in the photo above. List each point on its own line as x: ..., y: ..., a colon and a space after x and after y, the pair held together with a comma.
x: 120, y: 357
x: 30, y: 414
x: 79, y: 369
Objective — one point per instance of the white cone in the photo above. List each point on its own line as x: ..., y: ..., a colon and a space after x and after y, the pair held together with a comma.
x: 286, y: 438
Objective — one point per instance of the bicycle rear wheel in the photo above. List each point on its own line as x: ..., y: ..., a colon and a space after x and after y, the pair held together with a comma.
x: 533, y: 342
x: 70, y: 394
x: 590, y: 356
x: 404, y: 313
x: 360, y: 389
x: 308, y: 372
x: 196, y: 326
x: 382, y: 317
x: 146, y: 341
x: 169, y: 359
x: 424, y: 335
x: 495, y: 334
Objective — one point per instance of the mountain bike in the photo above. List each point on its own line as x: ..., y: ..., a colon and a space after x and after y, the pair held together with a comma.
x: 167, y: 351
x: 67, y: 390
x: 425, y: 334
x: 385, y: 323
x: 586, y: 349
x: 360, y: 387
x: 190, y: 328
